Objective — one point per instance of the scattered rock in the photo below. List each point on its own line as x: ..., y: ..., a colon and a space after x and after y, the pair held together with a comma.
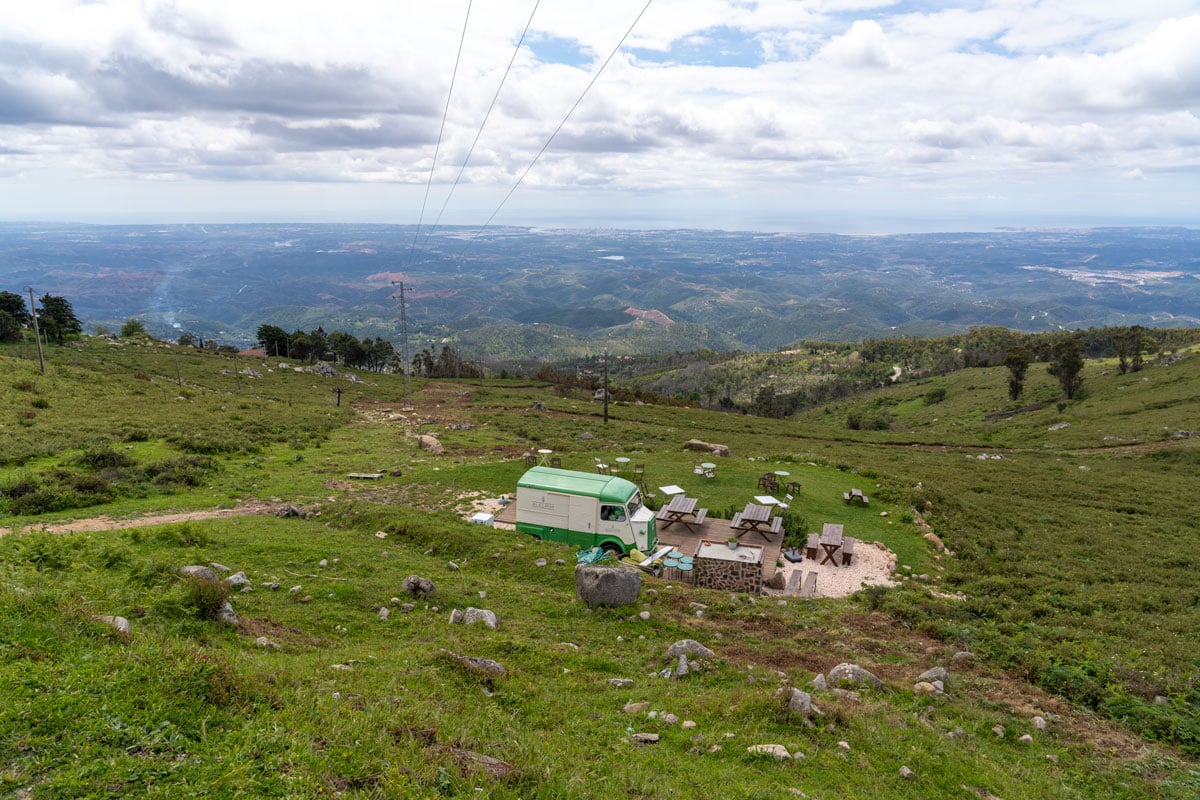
x: 198, y: 572
x: 450, y: 565
x: 238, y: 579
x: 599, y: 585
x: 384, y: 613
x: 844, y: 746
x: 120, y: 624
x: 266, y: 643
x: 644, y: 615
x: 324, y: 562
x: 1026, y: 739
x: 1040, y: 723
x: 775, y: 751
x: 853, y: 675
x: 705, y: 447
x: 819, y: 683
x: 226, y: 615
x: 934, y: 674
x: 634, y: 708
x: 963, y: 655
x: 669, y: 719
x: 777, y: 581
x: 219, y: 567
x: 430, y: 443
x: 481, y: 666
x: 645, y: 738
x: 620, y: 683
x: 689, y: 647
x: 295, y: 590
x: 482, y: 615
x: 905, y: 772
x: 456, y: 616
x: 417, y: 587
x: 998, y: 730
x: 925, y: 687
x: 541, y: 562
x: 800, y: 703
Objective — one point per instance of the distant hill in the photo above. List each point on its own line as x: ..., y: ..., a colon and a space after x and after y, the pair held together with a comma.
x: 510, y: 293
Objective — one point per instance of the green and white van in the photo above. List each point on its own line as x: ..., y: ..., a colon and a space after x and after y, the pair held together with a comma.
x: 584, y: 509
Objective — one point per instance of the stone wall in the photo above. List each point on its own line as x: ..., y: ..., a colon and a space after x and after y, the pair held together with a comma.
x: 730, y: 576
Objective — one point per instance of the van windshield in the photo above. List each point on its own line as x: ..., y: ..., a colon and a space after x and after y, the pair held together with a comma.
x: 635, y: 503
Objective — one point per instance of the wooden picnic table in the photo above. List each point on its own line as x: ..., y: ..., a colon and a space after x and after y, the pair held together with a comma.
x: 855, y: 496
x: 831, y: 542
x: 682, y: 509
x: 754, y: 518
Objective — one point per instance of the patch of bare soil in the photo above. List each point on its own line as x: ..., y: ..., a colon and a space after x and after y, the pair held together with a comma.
x: 106, y: 523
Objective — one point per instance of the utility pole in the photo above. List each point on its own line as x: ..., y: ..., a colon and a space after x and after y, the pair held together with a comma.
x: 37, y: 336
x: 605, y: 387
x: 406, y: 365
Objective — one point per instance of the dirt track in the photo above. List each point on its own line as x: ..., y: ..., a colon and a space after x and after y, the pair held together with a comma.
x: 103, y: 523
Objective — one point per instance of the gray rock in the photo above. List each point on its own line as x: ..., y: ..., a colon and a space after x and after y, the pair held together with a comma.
x: 430, y: 443
x: 925, y: 687
x: 238, y: 579
x: 847, y: 694
x: 819, y: 683
x: 844, y: 746
x: 384, y: 613
x: 1026, y: 739
x: 1040, y: 723
x: 324, y: 562
x: 689, y: 647
x: 266, y: 643
x: 482, y: 615
x: 800, y: 703
x: 1161, y: 700
x: 560, y: 562
x: 599, y: 585
x: 669, y: 719
x: 775, y: 751
x: 219, y: 567
x: 998, y: 730
x: 620, y: 683
x: 963, y: 655
x: 645, y: 738
x: 407, y: 607
x: 845, y: 675
x: 705, y: 447
x: 634, y: 708
x: 452, y: 566
x: 941, y: 687
x: 934, y: 674
x: 120, y: 624
x: 198, y: 572
x: 777, y: 581
x: 905, y: 772
x: 481, y: 666
x: 644, y: 615
x: 456, y: 616
x: 682, y: 669
x: 417, y: 587
x: 295, y: 590
x: 541, y: 562
x: 226, y: 615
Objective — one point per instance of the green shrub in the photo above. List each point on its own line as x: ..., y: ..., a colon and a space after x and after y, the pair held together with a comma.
x: 25, y: 385
x: 40, y: 402
x: 42, y: 501
x: 206, y: 597
x: 103, y: 457
x: 181, y: 471
x: 934, y: 396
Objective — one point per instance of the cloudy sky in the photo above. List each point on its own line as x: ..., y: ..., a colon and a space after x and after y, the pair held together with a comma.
x: 767, y: 114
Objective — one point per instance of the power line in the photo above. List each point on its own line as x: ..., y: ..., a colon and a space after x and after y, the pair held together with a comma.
x: 437, y: 148
x: 579, y: 100
x: 486, y: 116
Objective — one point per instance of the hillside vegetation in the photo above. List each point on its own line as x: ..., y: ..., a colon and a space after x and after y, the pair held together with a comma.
x: 1069, y: 574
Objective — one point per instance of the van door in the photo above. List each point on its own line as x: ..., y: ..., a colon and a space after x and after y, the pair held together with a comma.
x: 583, y: 514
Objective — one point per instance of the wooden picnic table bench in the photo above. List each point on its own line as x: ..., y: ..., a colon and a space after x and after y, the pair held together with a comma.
x: 758, y: 518
x: 855, y: 495
x: 847, y: 550
x: 682, y: 509
x: 831, y: 542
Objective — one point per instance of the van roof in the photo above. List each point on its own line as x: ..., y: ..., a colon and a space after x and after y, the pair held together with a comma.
x: 607, y: 488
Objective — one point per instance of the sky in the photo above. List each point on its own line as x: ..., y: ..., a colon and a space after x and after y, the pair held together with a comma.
x: 862, y: 115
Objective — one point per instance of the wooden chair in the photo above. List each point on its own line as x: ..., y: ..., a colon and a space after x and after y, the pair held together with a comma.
x: 531, y: 459
x: 555, y: 461
x: 601, y: 467
x: 639, y: 471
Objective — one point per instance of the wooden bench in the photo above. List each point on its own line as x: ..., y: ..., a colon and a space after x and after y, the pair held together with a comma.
x: 662, y: 515
x: 847, y: 550
x: 793, y: 584
x: 810, y: 549
x: 736, y: 522
x: 701, y: 513
x: 810, y: 585
x: 776, y: 524
x: 855, y: 495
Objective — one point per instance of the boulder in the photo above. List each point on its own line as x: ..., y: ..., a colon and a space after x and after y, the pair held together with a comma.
x: 481, y: 615
x: 689, y: 647
x: 198, y: 572
x: 852, y: 675
x: 775, y: 751
x: 120, y: 624
x: 599, y: 585
x: 430, y: 443
x: 934, y: 674
x: 800, y: 703
x: 417, y: 586
x: 704, y: 447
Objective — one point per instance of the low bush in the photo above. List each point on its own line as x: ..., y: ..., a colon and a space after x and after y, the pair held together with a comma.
x: 103, y: 457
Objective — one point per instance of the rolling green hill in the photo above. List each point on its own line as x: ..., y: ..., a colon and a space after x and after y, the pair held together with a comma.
x: 1070, y: 574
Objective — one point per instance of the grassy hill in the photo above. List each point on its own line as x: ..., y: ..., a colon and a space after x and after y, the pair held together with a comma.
x: 1072, y: 580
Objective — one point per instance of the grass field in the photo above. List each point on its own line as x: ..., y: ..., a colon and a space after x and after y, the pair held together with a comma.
x: 1072, y: 580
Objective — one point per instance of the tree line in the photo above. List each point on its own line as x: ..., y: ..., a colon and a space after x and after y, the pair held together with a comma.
x: 56, y: 318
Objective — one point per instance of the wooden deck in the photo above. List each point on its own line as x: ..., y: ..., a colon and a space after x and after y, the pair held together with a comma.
x: 718, y: 530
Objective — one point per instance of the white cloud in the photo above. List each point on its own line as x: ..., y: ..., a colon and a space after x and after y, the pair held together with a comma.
x: 723, y: 99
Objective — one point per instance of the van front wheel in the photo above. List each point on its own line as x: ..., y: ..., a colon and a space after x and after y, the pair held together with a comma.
x: 612, y: 549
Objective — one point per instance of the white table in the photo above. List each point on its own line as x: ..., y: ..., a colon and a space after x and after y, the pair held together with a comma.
x: 765, y: 499
x: 544, y: 456
x: 672, y: 489
x: 622, y: 460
